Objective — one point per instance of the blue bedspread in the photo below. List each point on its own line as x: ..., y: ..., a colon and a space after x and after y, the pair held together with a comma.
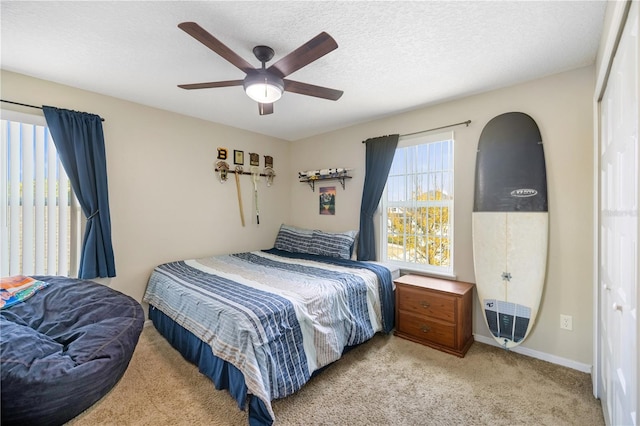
x: 276, y: 316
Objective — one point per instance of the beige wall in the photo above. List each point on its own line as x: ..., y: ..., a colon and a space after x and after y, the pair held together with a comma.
x: 166, y: 202
x: 562, y: 107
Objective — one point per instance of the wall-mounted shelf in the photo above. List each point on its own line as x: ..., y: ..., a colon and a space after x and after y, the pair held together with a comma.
x: 312, y: 180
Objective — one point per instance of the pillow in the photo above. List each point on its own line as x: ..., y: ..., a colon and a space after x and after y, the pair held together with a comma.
x: 332, y: 244
x: 292, y: 239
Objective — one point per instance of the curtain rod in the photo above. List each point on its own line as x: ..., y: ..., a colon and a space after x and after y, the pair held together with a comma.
x: 438, y: 128
x: 435, y: 128
x: 28, y: 106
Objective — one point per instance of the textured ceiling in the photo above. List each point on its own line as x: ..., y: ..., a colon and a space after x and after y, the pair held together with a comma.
x: 392, y: 56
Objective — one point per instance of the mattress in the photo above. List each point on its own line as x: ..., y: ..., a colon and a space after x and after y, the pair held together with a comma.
x: 393, y: 269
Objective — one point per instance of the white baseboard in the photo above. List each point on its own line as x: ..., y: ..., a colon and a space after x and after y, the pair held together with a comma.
x: 585, y: 368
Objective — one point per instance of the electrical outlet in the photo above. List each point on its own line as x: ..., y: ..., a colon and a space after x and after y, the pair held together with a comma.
x: 566, y: 322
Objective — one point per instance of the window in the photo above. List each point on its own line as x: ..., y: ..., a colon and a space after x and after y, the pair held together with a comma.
x: 39, y: 214
x: 417, y: 205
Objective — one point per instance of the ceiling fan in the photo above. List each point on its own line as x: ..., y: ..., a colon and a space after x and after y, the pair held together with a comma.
x: 266, y: 85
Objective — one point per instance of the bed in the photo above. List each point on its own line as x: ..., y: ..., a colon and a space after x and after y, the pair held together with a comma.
x: 260, y: 324
x: 63, y: 346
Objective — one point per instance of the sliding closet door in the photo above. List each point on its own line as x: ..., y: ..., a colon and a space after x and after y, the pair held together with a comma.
x: 618, y: 239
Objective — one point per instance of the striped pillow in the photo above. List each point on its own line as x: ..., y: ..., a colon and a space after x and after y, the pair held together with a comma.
x: 333, y: 245
x: 292, y: 239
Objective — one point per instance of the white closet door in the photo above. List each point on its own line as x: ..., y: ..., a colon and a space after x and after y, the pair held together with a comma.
x: 619, y: 255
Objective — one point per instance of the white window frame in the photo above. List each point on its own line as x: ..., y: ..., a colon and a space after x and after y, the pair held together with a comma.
x: 32, y: 259
x: 443, y: 271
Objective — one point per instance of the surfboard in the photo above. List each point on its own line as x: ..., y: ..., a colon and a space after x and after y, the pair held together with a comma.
x: 510, y: 225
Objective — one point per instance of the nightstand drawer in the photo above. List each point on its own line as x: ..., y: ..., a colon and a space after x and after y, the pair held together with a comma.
x: 423, y: 329
x: 421, y: 302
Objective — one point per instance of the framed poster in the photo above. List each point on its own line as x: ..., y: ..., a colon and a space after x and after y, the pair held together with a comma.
x: 238, y: 157
x: 328, y: 200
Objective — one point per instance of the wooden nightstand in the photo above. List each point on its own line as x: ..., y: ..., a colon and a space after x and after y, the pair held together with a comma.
x: 435, y: 312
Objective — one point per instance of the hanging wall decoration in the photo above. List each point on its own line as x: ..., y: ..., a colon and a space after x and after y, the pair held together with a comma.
x: 313, y: 176
x: 254, y: 159
x: 222, y: 168
x: 328, y: 200
x: 268, y: 169
x: 238, y: 157
x: 255, y: 178
x: 222, y: 153
x: 238, y: 172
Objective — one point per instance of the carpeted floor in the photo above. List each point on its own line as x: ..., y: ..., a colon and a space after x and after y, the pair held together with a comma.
x: 387, y: 381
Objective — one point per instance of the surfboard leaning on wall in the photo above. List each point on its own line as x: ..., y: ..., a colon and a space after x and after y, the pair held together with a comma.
x: 510, y: 225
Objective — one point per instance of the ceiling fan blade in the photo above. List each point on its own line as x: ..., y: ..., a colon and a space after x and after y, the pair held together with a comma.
x: 311, y: 90
x: 200, y: 34
x: 265, y: 109
x: 211, y: 84
x: 314, y: 49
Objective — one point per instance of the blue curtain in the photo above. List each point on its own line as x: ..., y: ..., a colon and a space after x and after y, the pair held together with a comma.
x: 79, y: 140
x: 379, y: 156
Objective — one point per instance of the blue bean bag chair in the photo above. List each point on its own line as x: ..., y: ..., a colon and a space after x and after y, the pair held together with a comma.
x: 63, y: 349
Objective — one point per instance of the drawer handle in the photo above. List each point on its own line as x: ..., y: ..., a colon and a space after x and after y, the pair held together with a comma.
x: 424, y: 304
x: 425, y: 329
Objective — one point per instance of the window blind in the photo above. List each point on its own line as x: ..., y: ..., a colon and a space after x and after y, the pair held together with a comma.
x: 39, y: 214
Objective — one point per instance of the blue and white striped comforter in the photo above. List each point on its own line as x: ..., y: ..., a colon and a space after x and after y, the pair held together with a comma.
x: 276, y: 316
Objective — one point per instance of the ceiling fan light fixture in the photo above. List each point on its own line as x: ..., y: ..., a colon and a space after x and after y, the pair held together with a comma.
x: 266, y: 85
x: 263, y: 87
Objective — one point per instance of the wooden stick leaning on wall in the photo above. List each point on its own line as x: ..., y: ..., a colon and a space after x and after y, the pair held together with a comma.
x: 238, y: 173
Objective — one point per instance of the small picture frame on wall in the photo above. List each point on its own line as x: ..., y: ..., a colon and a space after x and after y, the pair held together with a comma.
x: 328, y: 200
x: 238, y: 157
x: 254, y: 159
